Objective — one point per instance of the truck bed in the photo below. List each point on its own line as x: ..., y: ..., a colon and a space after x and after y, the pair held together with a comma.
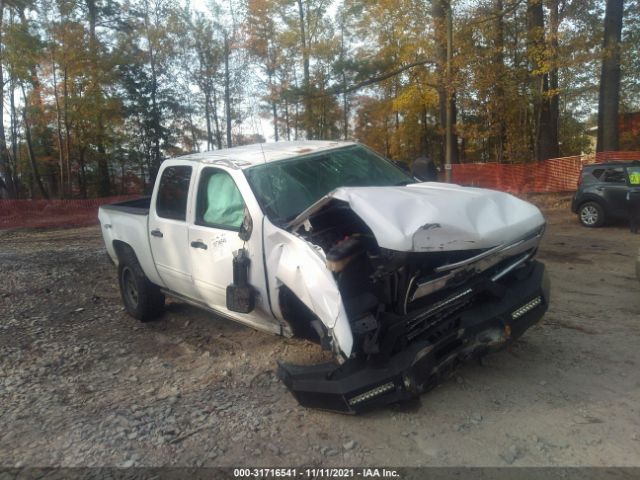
x: 139, y: 206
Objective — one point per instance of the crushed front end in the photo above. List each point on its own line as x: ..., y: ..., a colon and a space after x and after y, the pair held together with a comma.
x: 414, y: 316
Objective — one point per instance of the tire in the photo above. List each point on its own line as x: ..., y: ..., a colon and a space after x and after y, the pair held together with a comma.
x: 141, y: 298
x: 591, y: 214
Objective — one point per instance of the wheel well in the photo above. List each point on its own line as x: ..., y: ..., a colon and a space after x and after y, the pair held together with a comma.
x: 303, y: 321
x: 121, y: 248
x: 595, y: 200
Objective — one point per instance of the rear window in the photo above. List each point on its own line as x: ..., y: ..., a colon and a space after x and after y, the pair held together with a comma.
x: 615, y: 175
x: 597, y: 172
x: 173, y: 192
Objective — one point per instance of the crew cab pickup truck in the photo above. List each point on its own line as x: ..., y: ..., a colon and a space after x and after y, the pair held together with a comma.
x: 399, y: 280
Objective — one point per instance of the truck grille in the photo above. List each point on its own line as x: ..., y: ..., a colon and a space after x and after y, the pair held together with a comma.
x: 432, y: 320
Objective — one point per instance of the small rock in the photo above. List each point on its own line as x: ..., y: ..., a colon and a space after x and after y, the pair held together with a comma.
x: 543, y: 382
x: 128, y: 464
x: 511, y: 455
x: 635, y: 437
x: 350, y: 445
x: 476, y: 418
x: 274, y: 449
x: 78, y: 310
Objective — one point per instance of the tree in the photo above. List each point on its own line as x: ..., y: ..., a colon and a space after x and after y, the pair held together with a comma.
x: 609, y: 98
x: 7, y: 181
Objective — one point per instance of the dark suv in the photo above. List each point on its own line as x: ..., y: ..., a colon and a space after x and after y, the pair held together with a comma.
x: 602, y: 192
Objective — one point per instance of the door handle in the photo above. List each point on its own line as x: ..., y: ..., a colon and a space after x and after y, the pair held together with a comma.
x: 199, y: 244
x: 156, y: 233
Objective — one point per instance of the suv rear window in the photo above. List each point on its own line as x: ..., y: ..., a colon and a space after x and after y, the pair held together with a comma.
x: 173, y: 192
x: 597, y: 172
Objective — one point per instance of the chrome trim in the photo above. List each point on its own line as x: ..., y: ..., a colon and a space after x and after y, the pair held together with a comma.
x: 477, y: 264
x: 511, y: 267
x: 451, y: 266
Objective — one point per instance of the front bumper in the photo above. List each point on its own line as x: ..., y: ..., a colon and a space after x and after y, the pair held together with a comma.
x: 359, y: 385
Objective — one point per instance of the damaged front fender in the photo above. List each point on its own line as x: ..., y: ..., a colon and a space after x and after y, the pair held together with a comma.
x: 300, y: 266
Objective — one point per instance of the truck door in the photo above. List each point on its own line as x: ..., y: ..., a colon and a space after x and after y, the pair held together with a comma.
x: 213, y: 237
x: 168, y: 230
x: 219, y: 209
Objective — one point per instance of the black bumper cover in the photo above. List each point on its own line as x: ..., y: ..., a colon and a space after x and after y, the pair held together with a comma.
x: 358, y: 386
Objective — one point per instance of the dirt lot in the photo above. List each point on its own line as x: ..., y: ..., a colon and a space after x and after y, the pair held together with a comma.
x: 84, y: 384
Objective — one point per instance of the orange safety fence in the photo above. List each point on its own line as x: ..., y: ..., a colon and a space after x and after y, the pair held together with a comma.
x: 552, y: 176
x: 548, y: 176
x: 53, y: 213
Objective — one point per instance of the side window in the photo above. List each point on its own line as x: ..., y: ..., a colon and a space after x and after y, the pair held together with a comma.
x: 220, y: 203
x: 173, y: 192
x: 615, y: 175
x: 597, y: 172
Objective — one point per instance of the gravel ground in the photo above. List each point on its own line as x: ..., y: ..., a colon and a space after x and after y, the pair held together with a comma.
x: 83, y: 384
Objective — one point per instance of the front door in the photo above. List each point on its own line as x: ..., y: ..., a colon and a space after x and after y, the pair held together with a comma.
x: 168, y: 230
x: 213, y: 237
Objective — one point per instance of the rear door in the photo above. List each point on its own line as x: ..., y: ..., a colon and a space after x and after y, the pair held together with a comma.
x: 168, y: 230
x: 614, y: 190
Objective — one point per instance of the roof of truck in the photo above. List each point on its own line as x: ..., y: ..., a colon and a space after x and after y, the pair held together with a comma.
x: 258, y: 153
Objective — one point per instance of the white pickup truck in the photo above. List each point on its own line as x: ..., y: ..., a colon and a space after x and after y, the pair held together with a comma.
x: 400, y: 280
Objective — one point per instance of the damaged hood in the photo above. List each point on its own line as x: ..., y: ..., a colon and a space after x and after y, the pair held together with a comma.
x: 431, y: 217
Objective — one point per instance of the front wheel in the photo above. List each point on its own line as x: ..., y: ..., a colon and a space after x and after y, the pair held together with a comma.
x: 591, y: 214
x: 142, y: 299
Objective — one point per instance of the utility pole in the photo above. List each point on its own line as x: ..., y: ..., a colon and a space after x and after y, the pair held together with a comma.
x: 449, y: 112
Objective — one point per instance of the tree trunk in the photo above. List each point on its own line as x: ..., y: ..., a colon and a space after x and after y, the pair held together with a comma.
x: 286, y: 117
x: 216, y: 120
x: 440, y: 9
x: 5, y: 167
x: 227, y: 86
x: 207, y: 115
x: 308, y: 114
x: 544, y: 147
x: 554, y: 97
x: 58, y: 129
x: 32, y: 157
x: 104, y: 186
x: 274, y: 106
x: 498, y: 109
x: 609, y: 99
x: 82, y: 178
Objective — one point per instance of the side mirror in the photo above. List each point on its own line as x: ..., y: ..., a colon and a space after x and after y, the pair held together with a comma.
x: 247, y: 226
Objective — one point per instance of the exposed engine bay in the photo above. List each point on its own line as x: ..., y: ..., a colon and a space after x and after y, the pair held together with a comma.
x: 377, y: 283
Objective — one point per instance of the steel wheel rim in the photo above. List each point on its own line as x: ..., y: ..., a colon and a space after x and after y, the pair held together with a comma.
x: 129, y: 286
x: 589, y: 215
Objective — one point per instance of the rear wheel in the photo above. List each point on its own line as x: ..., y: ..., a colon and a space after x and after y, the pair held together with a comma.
x: 141, y: 298
x: 591, y: 214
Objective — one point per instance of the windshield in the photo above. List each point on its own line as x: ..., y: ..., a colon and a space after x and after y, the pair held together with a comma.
x: 286, y: 188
